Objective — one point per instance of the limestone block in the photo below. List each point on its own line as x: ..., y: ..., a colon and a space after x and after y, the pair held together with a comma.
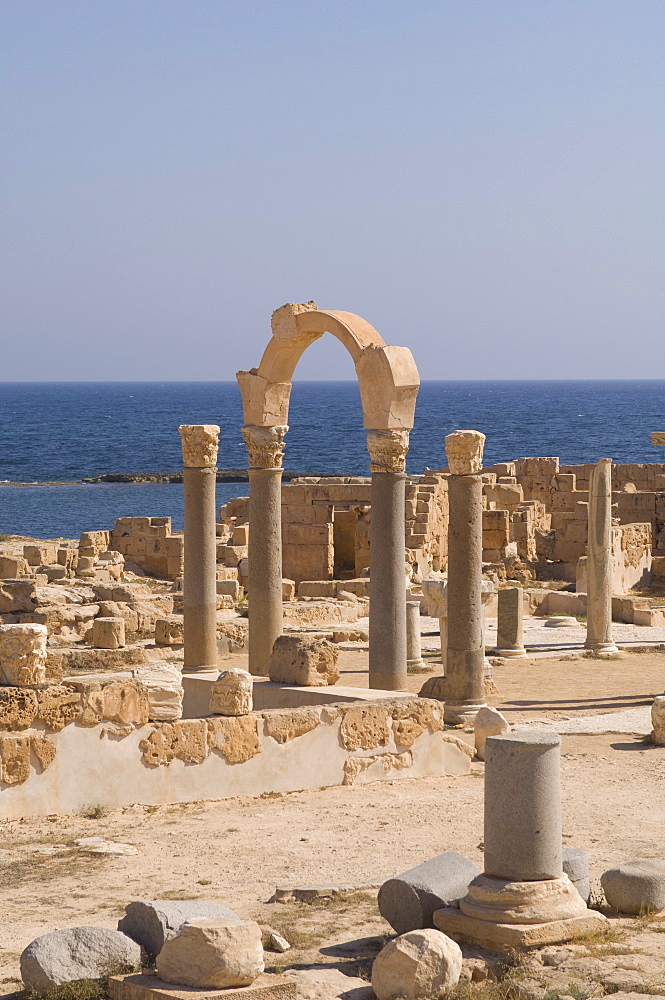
x: 231, y: 588
x: 288, y: 590
x: 213, y: 953
x: 12, y: 567
x: 186, y: 740
x: 409, y: 900
x: 235, y: 738
x: 65, y: 956
x: 416, y: 966
x: 488, y: 722
x: 18, y: 707
x: 14, y: 759
x: 108, y: 633
x: 412, y: 718
x: 231, y: 694
x: 464, y: 451
x: 38, y: 555
x: 285, y: 725
x: 23, y: 654
x: 658, y: 720
x: 636, y: 886
x: 44, y: 750
x: 364, y: 727
x: 123, y: 702
x: 199, y: 445
x: 317, y: 588
x: 307, y: 662
x: 17, y: 595
x: 163, y: 684
x: 58, y: 705
x: 153, y: 922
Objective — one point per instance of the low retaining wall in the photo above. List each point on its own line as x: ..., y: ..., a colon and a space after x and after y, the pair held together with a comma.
x: 280, y: 750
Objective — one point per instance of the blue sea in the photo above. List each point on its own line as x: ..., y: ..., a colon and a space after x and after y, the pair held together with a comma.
x: 60, y: 432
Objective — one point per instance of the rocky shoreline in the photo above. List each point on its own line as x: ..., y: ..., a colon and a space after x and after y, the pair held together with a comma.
x: 223, y: 476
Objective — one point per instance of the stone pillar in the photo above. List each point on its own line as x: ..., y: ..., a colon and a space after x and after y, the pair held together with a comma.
x: 599, y: 560
x: 523, y: 898
x: 465, y: 658
x: 108, y: 633
x: 523, y: 806
x: 414, y: 656
x: 387, y: 601
x: 265, y: 446
x: 510, y: 632
x: 199, y: 455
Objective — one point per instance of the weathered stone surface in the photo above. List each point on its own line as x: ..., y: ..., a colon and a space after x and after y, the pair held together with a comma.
x: 236, y: 739
x: 152, y: 922
x: 23, y: 654
x: 58, y: 705
x: 658, y: 720
x: 231, y: 694
x: 411, y: 720
x: 186, y: 740
x: 309, y: 662
x: 576, y: 866
x: 17, y: 595
x: 416, y: 966
x: 163, y: 685
x: 510, y: 902
x: 108, y: 633
x: 18, y: 707
x: 44, y: 750
x: 170, y: 631
x: 14, y: 759
x: 464, y: 451
x: 636, y: 886
x: 506, y: 937
x: 355, y: 766
x: 65, y: 956
x: 364, y: 727
x: 409, y: 900
x: 213, y: 953
x: 199, y: 445
x: 123, y: 702
x: 286, y: 725
x: 120, y: 609
x: 488, y: 722
x: 434, y: 687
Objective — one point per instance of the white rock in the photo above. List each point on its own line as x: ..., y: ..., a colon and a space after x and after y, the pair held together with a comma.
x: 151, y: 922
x: 213, y: 954
x: 231, y: 694
x: 488, y: 722
x: 278, y: 943
x: 64, y: 956
x: 98, y: 845
x: 163, y: 683
x: 416, y: 966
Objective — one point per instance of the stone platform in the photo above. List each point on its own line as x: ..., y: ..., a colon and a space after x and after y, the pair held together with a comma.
x: 137, y: 986
x: 503, y: 937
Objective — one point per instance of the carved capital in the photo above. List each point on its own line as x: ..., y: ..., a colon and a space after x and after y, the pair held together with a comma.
x: 387, y: 450
x: 199, y: 445
x: 464, y: 450
x: 265, y: 445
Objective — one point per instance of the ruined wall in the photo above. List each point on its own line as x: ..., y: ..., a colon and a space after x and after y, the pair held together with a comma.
x: 149, y: 543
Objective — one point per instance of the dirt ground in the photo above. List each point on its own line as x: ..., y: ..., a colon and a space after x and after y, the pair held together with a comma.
x: 239, y: 850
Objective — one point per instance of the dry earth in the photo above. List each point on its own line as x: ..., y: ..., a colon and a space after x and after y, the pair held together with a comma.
x: 239, y: 850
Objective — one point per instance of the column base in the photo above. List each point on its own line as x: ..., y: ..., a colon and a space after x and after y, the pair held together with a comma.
x: 601, y: 648
x: 416, y: 665
x: 509, y: 654
x: 455, y: 714
x: 500, y: 914
x: 198, y: 669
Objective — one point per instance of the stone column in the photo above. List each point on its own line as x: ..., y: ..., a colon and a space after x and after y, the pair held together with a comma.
x: 523, y: 898
x: 265, y: 446
x: 387, y: 602
x: 599, y: 560
x: 414, y: 656
x: 199, y: 455
x: 465, y: 658
x: 510, y: 631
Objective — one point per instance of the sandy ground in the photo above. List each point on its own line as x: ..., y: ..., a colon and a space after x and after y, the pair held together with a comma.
x: 239, y: 850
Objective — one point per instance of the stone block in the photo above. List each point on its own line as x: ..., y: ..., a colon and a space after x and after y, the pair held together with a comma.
x: 210, y: 952
x: 488, y: 722
x: 153, y: 922
x: 417, y: 965
x: 12, y: 567
x: 307, y: 662
x: 317, y: 588
x: 17, y: 596
x: 636, y: 886
x: 576, y: 866
x: 23, y: 654
x: 163, y: 684
x: 170, y: 631
x: 240, y: 535
x: 409, y: 900
x: 266, y: 987
x: 108, y: 633
x: 231, y: 694
x: 507, y: 937
x: 230, y: 588
x: 76, y: 953
x: 288, y: 589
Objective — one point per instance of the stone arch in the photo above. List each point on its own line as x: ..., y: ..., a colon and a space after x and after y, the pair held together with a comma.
x: 387, y: 376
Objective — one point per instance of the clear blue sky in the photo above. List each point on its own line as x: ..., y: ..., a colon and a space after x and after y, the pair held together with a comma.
x: 483, y: 180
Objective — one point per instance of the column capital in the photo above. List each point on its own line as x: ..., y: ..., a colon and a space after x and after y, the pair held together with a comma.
x: 199, y: 445
x: 265, y: 445
x: 387, y: 450
x: 464, y: 451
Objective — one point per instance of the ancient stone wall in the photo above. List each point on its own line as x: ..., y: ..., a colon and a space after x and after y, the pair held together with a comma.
x: 150, y: 543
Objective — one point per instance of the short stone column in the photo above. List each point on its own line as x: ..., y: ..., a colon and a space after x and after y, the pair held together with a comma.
x: 510, y: 628
x: 265, y: 446
x: 199, y: 455
x: 599, y: 561
x: 465, y: 657
x: 387, y: 600
x: 108, y: 633
x: 523, y: 898
x: 414, y: 655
